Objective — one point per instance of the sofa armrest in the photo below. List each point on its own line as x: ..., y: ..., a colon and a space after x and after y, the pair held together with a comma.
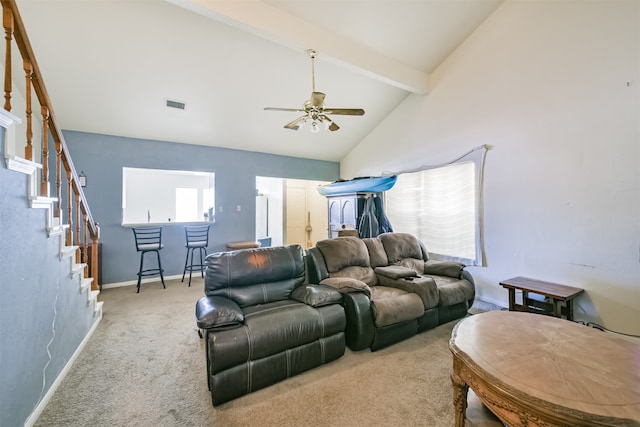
x: 218, y: 312
x: 316, y: 295
x: 443, y: 268
x: 346, y: 285
x: 467, y: 276
x: 395, y: 271
x: 360, y: 328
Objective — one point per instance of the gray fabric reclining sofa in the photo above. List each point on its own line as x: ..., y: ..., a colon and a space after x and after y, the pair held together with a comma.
x: 391, y: 290
x: 262, y: 323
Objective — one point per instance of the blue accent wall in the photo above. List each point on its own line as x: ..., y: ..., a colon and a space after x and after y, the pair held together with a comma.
x: 43, y: 315
x: 102, y: 158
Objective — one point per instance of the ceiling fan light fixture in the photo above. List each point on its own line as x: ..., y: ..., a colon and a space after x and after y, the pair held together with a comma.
x: 315, y: 128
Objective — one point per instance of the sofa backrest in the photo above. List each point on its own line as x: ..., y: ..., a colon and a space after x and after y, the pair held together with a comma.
x: 255, y: 276
x: 347, y: 257
x: 404, y: 249
x: 377, y: 255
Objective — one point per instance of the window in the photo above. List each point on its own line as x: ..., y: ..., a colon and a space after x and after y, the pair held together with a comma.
x: 186, y: 204
x: 442, y: 206
x: 160, y: 196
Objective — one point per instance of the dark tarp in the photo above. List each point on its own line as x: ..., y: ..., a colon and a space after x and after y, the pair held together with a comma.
x: 373, y: 221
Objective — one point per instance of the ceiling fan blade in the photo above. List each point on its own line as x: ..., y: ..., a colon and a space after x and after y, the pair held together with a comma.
x: 345, y: 111
x: 295, y: 125
x: 317, y: 99
x: 284, y: 109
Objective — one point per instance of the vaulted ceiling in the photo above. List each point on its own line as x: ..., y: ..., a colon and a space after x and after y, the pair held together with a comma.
x: 111, y: 65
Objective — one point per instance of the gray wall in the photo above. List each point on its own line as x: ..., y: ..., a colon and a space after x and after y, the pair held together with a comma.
x: 43, y: 315
x: 102, y: 158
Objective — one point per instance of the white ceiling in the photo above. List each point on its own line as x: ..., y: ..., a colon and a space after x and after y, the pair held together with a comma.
x: 109, y: 65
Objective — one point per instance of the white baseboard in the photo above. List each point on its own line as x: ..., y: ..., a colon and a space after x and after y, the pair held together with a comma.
x: 135, y: 282
x: 493, y: 301
x: 45, y: 400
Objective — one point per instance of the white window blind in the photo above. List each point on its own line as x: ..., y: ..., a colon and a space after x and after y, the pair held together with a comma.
x: 442, y: 206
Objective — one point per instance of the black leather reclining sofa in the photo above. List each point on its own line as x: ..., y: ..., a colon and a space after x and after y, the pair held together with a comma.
x: 261, y: 323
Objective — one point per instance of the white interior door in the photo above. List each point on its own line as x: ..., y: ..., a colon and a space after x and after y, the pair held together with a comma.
x: 296, y: 216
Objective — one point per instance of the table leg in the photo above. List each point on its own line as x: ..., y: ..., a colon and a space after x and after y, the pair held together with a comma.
x: 557, y: 309
x: 569, y: 310
x: 460, y: 389
x: 512, y: 299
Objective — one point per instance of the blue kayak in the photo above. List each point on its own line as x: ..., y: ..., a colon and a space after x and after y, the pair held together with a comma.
x: 368, y: 184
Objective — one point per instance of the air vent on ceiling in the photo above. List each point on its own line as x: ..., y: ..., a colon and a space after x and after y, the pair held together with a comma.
x: 175, y: 104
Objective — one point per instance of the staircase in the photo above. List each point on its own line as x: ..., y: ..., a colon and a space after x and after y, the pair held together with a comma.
x: 49, y: 293
x: 77, y: 213
x: 53, y: 228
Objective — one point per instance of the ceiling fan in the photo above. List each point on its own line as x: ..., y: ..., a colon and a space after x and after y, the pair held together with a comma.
x: 314, y: 109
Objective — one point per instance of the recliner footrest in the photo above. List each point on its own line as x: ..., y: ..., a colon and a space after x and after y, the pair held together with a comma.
x: 391, y: 305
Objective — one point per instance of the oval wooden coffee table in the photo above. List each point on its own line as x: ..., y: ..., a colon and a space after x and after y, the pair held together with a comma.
x: 535, y: 370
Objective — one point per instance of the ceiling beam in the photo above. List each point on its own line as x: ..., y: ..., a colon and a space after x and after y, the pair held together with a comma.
x: 275, y: 25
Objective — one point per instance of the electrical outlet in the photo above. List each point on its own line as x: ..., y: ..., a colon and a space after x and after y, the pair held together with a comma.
x: 220, y: 209
x: 239, y: 208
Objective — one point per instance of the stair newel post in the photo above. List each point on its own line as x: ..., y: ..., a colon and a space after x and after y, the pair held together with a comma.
x: 7, y: 23
x: 28, y: 74
x: 69, y: 216
x: 44, y: 185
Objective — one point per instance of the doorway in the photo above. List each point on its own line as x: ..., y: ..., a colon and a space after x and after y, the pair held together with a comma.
x: 290, y: 211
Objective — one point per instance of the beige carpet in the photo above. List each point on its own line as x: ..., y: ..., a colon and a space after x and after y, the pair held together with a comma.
x: 145, y: 366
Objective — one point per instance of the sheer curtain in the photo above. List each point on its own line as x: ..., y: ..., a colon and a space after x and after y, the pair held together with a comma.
x: 442, y: 206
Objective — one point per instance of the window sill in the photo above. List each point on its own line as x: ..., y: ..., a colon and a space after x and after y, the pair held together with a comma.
x: 152, y: 224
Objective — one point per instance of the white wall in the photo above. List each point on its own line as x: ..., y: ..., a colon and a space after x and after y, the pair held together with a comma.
x: 273, y: 188
x: 553, y: 86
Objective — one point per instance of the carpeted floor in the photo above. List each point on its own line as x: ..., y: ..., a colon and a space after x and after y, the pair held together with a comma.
x: 145, y: 366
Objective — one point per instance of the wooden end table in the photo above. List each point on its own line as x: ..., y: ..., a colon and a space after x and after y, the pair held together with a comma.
x: 532, y: 370
x: 557, y: 293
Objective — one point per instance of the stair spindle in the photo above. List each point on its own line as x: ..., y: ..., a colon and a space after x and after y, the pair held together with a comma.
x: 28, y: 74
x: 76, y: 199
x: 7, y: 23
x: 57, y: 213
x: 85, y: 246
x: 69, y: 216
x: 44, y: 185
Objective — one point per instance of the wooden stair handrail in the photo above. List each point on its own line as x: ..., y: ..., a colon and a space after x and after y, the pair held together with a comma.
x: 26, y: 51
x: 14, y: 29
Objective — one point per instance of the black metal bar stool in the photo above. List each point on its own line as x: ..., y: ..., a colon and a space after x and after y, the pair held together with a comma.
x: 149, y: 239
x: 197, y: 238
